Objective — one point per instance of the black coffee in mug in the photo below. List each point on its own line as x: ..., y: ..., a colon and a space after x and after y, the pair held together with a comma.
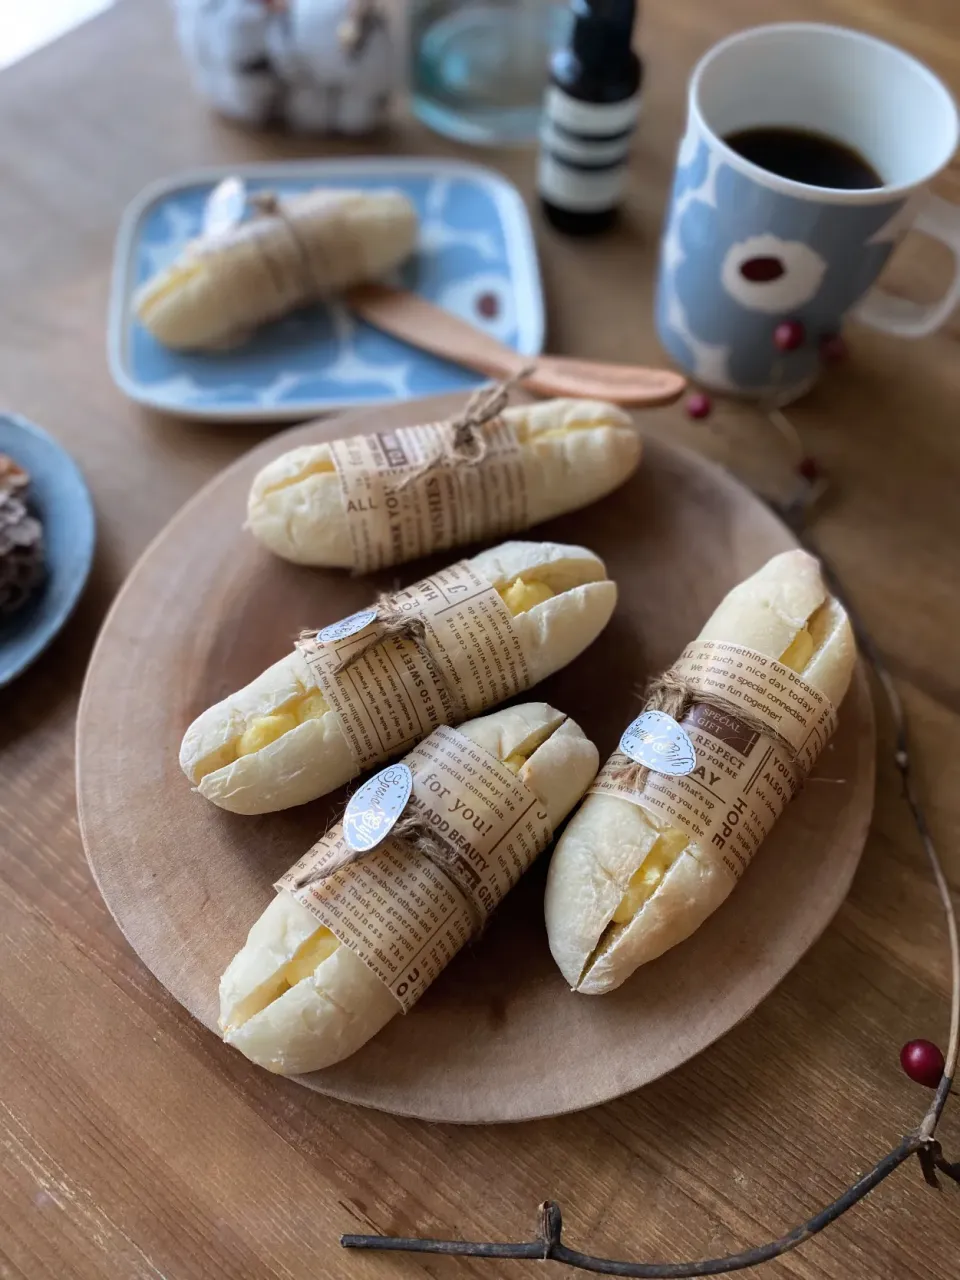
x: 804, y: 156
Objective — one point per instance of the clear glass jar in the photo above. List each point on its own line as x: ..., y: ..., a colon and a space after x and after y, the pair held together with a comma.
x: 479, y: 67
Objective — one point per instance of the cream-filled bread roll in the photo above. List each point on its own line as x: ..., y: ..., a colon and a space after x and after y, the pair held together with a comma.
x: 574, y: 452
x: 623, y: 887
x: 277, y: 743
x: 313, y: 245
x: 295, y: 999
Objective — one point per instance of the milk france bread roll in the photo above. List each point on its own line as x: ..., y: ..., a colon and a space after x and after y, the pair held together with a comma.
x: 624, y: 884
x: 278, y: 742
x: 296, y: 998
x: 569, y: 453
x: 286, y: 253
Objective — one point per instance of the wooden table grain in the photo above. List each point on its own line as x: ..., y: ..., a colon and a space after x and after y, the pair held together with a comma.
x: 133, y: 1143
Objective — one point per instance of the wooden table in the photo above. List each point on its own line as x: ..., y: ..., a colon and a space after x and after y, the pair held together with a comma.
x: 134, y: 1144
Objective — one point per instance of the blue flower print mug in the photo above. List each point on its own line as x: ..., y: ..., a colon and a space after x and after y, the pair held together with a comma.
x: 745, y: 249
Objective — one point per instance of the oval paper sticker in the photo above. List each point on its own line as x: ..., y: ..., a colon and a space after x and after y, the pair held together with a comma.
x: 224, y: 208
x: 347, y: 626
x: 655, y: 740
x: 374, y: 808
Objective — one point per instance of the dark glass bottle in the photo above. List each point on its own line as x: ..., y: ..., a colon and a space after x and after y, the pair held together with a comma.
x: 589, y: 116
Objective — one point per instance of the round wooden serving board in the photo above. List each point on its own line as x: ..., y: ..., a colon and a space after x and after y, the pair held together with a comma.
x: 499, y: 1036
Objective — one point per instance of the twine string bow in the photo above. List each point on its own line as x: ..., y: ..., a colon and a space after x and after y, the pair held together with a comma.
x: 415, y: 837
x: 267, y: 204
x: 464, y: 442
x: 394, y: 623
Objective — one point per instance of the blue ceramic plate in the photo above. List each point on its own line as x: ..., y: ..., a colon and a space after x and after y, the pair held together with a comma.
x: 476, y: 257
x: 58, y: 495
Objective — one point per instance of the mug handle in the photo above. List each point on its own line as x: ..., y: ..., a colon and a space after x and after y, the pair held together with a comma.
x: 941, y: 220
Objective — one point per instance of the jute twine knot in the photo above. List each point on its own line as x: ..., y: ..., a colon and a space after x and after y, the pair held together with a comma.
x: 414, y: 836
x: 465, y: 442
x: 267, y: 204
x: 393, y: 623
x: 674, y: 697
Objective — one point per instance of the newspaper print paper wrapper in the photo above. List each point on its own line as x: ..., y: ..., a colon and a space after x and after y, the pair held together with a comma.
x: 743, y: 779
x: 397, y: 509
x: 393, y: 695
x: 395, y: 908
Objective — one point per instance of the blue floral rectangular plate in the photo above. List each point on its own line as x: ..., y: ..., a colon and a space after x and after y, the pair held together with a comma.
x: 476, y: 257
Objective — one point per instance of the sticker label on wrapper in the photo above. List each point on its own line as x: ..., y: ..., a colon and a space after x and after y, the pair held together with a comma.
x: 373, y: 809
x: 395, y: 694
x: 655, y: 740
x: 742, y: 779
x: 396, y: 908
x: 347, y: 627
x: 395, y: 514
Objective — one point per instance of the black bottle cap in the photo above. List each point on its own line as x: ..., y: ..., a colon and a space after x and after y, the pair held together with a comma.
x: 602, y: 29
x: 614, y: 13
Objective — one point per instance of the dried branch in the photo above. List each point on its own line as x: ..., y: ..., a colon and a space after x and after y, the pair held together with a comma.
x: 921, y: 1142
x: 550, y: 1245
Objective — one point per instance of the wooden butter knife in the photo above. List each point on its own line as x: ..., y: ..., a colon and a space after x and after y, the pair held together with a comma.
x: 407, y: 316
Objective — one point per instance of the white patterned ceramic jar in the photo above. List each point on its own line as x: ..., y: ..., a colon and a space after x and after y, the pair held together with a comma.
x: 326, y: 66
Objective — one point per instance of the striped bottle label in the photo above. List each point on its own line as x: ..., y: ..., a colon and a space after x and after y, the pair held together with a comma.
x: 584, y: 148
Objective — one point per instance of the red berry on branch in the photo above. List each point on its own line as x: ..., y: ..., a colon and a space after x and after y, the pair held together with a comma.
x: 699, y: 405
x: 923, y: 1062
x: 833, y: 348
x: 788, y: 335
x: 809, y: 468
